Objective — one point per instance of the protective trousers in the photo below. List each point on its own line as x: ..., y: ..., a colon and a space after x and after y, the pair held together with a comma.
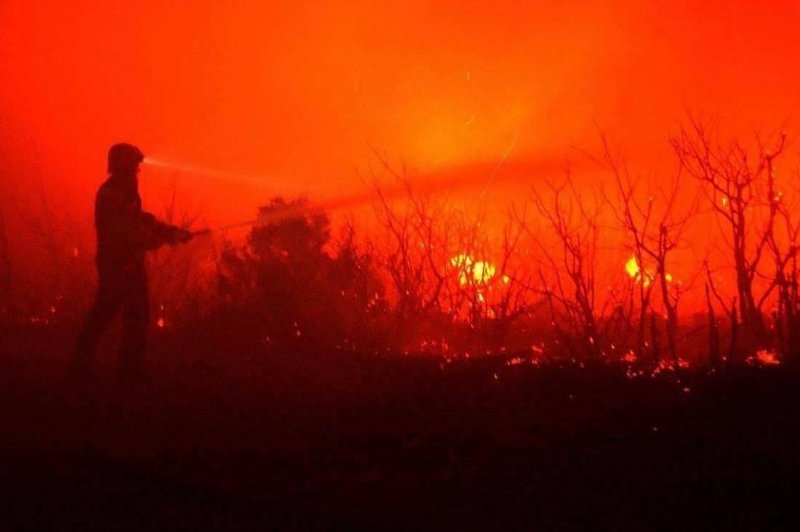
x: 118, y: 290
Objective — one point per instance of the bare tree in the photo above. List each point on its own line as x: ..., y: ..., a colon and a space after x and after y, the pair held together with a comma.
x: 654, y: 232
x: 443, y: 266
x: 713, y: 330
x: 733, y: 317
x: 493, y: 285
x: 177, y: 284
x: 63, y: 277
x: 567, y: 269
x: 782, y: 236
x: 416, y: 252
x: 511, y: 301
x: 6, y: 271
x: 732, y: 176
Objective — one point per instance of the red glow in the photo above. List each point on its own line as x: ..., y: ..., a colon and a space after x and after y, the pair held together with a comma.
x: 288, y: 100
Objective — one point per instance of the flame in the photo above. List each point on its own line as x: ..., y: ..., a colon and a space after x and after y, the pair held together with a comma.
x: 634, y: 271
x: 764, y: 357
x: 632, y: 267
x: 470, y: 270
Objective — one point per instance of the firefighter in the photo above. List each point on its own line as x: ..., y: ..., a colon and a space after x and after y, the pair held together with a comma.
x: 124, y: 234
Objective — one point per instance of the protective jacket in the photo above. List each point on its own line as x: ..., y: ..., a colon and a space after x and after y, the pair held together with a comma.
x: 124, y: 231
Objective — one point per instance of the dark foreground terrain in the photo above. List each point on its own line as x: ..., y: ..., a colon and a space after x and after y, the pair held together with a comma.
x: 226, y: 436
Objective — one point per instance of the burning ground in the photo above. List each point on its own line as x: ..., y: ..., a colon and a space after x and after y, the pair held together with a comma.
x: 229, y: 435
x: 487, y: 315
x: 310, y: 376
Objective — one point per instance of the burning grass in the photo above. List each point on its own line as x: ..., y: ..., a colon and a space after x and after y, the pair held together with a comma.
x: 316, y: 439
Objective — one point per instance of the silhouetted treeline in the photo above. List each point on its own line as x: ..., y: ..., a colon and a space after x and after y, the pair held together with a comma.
x: 577, y: 270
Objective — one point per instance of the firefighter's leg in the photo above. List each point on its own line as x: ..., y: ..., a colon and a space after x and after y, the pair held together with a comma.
x: 136, y: 319
x: 105, y: 307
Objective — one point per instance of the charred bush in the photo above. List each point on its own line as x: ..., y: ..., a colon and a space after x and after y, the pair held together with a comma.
x: 305, y: 289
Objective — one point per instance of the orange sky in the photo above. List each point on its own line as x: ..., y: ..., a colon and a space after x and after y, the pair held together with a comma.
x: 296, y: 92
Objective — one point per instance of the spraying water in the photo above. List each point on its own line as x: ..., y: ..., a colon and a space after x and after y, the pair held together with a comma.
x: 482, y: 176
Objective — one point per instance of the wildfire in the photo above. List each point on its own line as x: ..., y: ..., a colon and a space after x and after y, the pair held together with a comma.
x: 470, y: 270
x: 764, y: 357
x: 161, y: 322
x: 634, y: 271
x: 670, y: 366
x: 632, y: 267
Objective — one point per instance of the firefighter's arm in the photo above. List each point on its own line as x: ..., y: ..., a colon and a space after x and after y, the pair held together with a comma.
x: 157, y: 233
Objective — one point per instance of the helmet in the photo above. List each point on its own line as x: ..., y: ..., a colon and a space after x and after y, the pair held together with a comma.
x: 123, y: 158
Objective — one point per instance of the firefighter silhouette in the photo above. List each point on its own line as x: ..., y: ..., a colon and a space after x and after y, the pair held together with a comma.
x: 124, y: 234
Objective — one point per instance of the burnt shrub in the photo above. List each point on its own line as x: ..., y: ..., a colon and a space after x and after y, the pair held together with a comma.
x: 303, y: 288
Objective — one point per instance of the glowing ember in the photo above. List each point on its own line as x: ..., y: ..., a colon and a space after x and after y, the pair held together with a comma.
x: 764, y: 357
x: 161, y: 322
x: 670, y: 366
x: 630, y: 357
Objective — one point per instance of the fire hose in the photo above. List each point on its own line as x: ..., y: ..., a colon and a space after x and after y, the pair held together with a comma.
x: 209, y: 230
x: 278, y: 215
